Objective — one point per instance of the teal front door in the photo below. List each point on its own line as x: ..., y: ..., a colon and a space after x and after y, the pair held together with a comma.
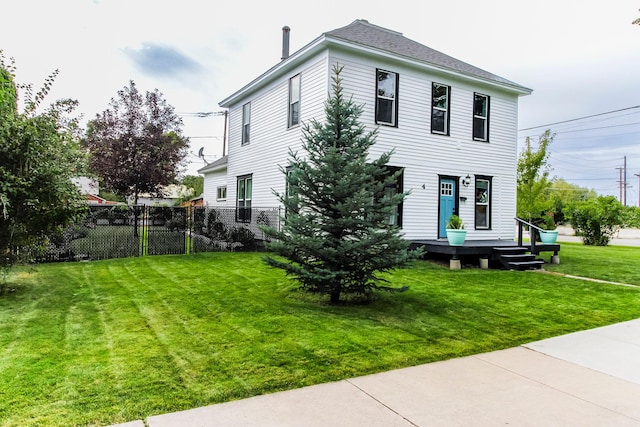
x: 447, y: 204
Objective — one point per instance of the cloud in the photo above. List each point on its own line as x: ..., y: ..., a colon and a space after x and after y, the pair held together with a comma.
x: 158, y: 60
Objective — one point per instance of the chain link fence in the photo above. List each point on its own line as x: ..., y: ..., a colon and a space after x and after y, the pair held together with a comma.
x: 120, y: 231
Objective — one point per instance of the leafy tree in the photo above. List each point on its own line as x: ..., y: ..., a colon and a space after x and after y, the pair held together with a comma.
x: 38, y: 157
x: 194, y: 185
x: 136, y: 145
x: 631, y: 217
x: 336, y: 236
x: 533, y: 179
x: 596, y: 220
x: 564, y: 194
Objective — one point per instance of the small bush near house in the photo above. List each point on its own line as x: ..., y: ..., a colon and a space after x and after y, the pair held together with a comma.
x: 596, y: 220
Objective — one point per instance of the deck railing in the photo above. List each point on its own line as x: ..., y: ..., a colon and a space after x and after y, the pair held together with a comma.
x: 533, y: 232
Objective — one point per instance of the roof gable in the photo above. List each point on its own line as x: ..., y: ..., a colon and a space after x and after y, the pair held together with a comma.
x: 363, y: 33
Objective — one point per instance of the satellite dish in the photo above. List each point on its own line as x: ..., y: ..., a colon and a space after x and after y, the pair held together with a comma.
x: 201, y: 155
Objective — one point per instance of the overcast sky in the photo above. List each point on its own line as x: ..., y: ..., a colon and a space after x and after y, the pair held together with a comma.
x: 581, y: 58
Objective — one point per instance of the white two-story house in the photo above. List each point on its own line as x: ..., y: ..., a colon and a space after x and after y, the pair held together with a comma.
x: 453, y: 127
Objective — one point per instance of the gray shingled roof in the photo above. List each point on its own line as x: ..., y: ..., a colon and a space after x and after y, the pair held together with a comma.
x: 222, y: 161
x: 362, y: 32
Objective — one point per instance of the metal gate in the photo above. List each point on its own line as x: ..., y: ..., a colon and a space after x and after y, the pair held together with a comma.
x: 166, y: 230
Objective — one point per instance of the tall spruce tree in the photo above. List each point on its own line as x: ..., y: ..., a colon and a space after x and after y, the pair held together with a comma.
x: 336, y: 236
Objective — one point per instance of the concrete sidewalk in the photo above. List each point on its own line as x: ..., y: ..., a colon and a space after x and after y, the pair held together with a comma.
x: 589, y: 378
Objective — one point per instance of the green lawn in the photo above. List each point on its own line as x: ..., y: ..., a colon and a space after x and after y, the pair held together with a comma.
x: 613, y: 263
x: 112, y: 341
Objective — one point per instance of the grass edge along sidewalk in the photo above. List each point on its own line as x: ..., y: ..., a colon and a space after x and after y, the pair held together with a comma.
x: 113, y: 341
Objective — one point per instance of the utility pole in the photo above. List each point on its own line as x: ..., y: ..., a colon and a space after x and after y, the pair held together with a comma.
x: 625, y: 181
x: 620, y: 184
x: 638, y: 175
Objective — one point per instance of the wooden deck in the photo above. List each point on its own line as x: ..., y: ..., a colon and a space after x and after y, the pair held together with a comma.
x: 479, y: 249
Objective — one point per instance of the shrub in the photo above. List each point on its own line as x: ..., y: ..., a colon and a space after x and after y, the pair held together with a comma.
x: 631, y: 217
x: 243, y: 236
x: 596, y: 220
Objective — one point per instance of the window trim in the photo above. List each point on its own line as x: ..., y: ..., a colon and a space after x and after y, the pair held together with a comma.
x: 243, y: 213
x: 394, y: 113
x: 218, y: 198
x: 246, y: 123
x: 485, y: 118
x: 399, y: 184
x: 290, y: 109
x: 488, y: 203
x: 447, y: 110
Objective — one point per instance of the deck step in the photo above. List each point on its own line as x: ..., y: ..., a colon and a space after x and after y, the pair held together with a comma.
x: 526, y: 265
x: 516, y: 258
x: 509, y: 249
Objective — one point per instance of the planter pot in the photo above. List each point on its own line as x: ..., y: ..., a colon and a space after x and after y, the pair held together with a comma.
x: 456, y: 237
x: 549, y: 237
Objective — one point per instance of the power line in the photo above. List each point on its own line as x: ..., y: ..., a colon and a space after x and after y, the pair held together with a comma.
x: 596, y: 128
x: 580, y: 118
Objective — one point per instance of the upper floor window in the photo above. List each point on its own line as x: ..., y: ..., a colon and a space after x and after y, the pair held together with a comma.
x: 480, y: 117
x: 246, y: 123
x: 294, y: 101
x: 483, y: 203
x: 243, y: 201
x: 440, y: 108
x: 386, y: 97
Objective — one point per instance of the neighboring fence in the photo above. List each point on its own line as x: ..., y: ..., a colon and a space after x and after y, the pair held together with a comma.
x: 127, y: 231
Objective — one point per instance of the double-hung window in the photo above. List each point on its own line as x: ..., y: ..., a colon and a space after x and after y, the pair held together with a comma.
x: 480, y: 117
x: 391, y: 189
x: 483, y: 203
x: 246, y: 123
x: 294, y: 101
x: 290, y: 193
x: 243, y: 203
x: 386, y: 98
x: 440, y: 95
x: 221, y: 193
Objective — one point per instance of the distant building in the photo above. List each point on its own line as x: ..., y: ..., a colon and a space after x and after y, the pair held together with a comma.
x: 171, y: 196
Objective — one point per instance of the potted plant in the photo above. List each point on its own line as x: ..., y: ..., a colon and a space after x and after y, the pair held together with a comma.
x: 456, y: 234
x: 549, y: 235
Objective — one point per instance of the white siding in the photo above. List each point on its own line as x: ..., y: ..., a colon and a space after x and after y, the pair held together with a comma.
x: 270, y: 137
x: 427, y: 156
x: 424, y: 156
x: 213, y: 180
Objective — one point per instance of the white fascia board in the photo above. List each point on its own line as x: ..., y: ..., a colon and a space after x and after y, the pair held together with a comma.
x: 210, y: 168
x: 520, y: 90
x: 323, y: 41
x: 274, y: 72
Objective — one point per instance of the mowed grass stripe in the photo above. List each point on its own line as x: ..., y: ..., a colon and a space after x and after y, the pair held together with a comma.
x: 142, y: 336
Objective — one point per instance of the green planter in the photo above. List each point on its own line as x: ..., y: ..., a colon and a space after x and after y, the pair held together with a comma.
x: 549, y: 237
x: 456, y: 237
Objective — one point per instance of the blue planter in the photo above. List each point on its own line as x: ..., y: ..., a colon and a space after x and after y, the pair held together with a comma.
x: 456, y: 237
x: 549, y: 237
